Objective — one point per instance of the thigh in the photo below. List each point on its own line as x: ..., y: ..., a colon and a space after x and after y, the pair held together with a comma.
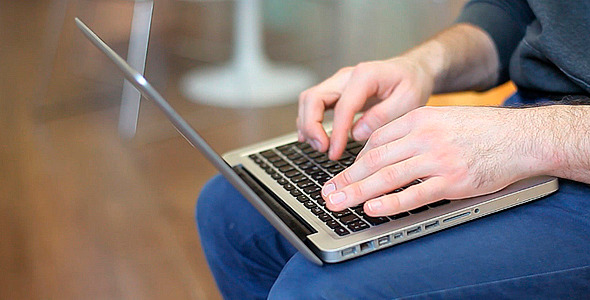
x: 244, y: 252
x: 541, y: 249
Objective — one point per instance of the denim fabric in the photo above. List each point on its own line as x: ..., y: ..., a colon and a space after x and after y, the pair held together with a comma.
x: 540, y: 250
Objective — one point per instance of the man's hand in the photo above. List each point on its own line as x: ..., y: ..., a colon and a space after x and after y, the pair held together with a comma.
x: 401, y: 84
x: 458, y: 152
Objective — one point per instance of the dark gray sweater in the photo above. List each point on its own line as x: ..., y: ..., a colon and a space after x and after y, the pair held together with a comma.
x: 543, y: 45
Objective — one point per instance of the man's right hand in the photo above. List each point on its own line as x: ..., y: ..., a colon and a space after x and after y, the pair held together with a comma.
x: 399, y: 84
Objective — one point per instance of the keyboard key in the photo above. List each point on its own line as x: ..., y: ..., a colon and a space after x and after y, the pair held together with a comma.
x: 309, y: 204
x: 274, y: 159
x: 264, y: 166
x: 319, y: 174
x: 286, y: 146
x: 270, y: 171
x: 376, y: 220
x: 309, y: 150
x: 358, y: 226
x: 336, y: 169
x: 282, y: 181
x: 280, y: 163
x: 332, y: 223
x: 399, y: 216
x: 295, y: 192
x: 312, y: 189
x: 419, y: 209
x: 329, y: 164
x: 268, y: 153
x: 340, y: 214
x: 355, y: 151
x: 276, y: 176
x: 305, y: 183
x: 316, y: 196
x: 439, y: 203
x: 287, y: 168
x: 294, y: 156
x: 292, y: 173
x: 315, y: 155
x: 352, y: 144
x: 306, y: 165
x: 302, y: 198
x: 349, y: 219
x: 288, y: 187
x: 321, y: 159
x: 300, y: 161
x: 298, y: 178
x: 302, y: 145
x: 312, y: 169
x: 321, y: 201
x: 341, y: 231
x: 317, y: 211
x: 325, y: 217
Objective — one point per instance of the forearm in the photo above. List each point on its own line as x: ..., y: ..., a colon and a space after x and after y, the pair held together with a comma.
x: 462, y: 57
x: 559, y: 139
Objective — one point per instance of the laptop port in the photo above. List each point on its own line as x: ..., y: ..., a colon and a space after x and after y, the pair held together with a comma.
x: 398, y: 235
x: 383, y: 241
x: 431, y: 225
x: 459, y: 216
x: 367, y: 246
x: 348, y: 251
x: 414, y: 231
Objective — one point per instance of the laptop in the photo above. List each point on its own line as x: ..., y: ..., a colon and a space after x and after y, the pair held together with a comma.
x: 282, y: 178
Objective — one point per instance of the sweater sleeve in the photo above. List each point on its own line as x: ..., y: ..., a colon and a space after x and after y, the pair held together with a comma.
x: 505, y: 21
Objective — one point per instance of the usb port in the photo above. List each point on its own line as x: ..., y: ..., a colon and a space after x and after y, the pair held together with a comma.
x: 414, y: 231
x: 431, y: 225
x: 383, y: 241
x: 398, y: 235
x: 348, y: 251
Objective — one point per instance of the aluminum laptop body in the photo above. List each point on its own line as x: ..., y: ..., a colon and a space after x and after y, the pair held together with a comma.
x: 248, y: 171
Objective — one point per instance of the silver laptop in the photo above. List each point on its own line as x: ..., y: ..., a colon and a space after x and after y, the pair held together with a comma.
x: 282, y: 179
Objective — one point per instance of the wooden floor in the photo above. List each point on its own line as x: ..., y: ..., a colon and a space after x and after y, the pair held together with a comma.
x: 87, y: 215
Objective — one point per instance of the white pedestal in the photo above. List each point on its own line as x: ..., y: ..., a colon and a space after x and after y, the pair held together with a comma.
x: 249, y: 80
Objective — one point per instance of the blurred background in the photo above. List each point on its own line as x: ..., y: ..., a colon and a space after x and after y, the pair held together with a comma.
x: 88, y: 214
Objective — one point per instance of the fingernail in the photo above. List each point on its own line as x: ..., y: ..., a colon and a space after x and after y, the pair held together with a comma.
x: 337, y: 198
x: 375, y: 205
x: 362, y: 131
x: 315, y: 144
x: 328, y: 188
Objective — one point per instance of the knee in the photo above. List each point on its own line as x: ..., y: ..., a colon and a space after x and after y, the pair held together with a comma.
x: 301, y: 279
x: 212, y: 204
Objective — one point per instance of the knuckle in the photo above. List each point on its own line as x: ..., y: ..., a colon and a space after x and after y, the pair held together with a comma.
x: 390, y: 175
x: 379, y: 116
x: 363, y: 70
x: 376, y: 138
x: 356, y: 191
x: 373, y: 158
x: 344, y: 70
x: 345, y: 178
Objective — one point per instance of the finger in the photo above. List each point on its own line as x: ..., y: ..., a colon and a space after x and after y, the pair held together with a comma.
x: 312, y: 105
x: 355, y: 94
x: 390, y: 132
x: 428, y: 191
x: 374, y: 160
x: 383, y: 181
x: 393, y: 107
x: 312, y: 115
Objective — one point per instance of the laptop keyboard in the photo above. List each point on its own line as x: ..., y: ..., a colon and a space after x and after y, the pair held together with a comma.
x: 302, y: 171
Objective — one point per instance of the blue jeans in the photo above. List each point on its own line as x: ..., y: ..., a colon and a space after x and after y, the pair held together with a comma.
x: 538, y: 250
